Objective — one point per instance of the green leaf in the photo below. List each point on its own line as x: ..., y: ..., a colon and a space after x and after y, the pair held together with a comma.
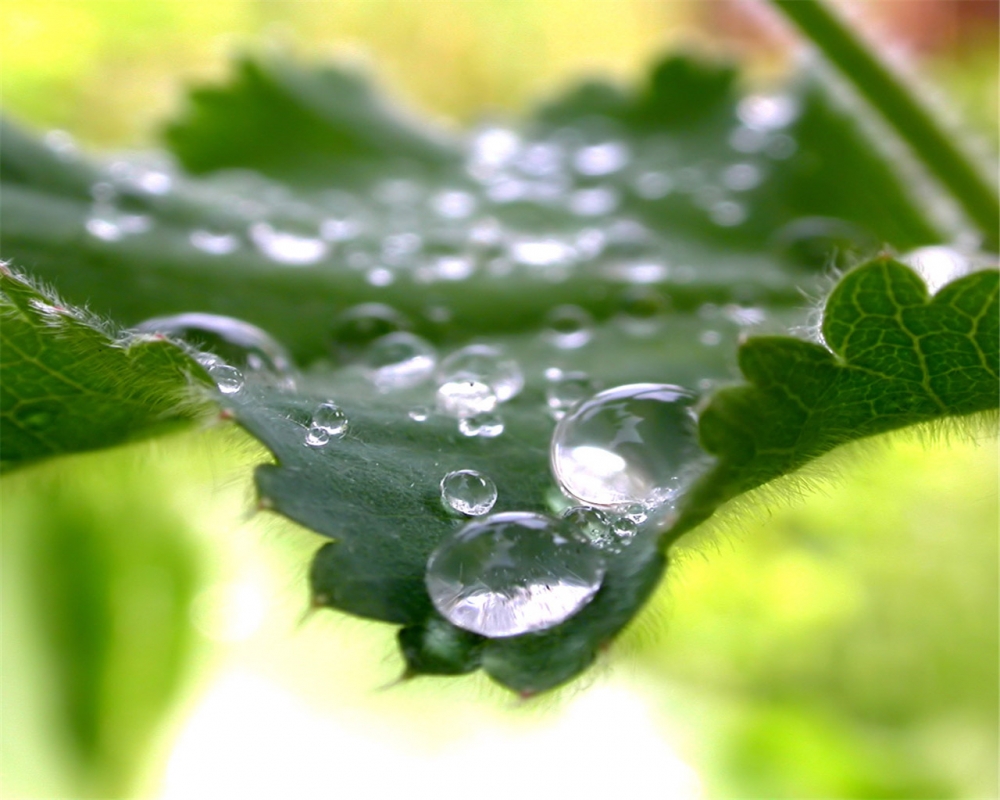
x: 69, y: 383
x: 665, y: 283
x: 897, y: 357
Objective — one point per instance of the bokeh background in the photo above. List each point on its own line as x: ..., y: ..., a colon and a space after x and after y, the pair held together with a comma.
x: 838, y: 642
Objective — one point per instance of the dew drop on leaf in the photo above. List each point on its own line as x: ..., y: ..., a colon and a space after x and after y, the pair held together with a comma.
x: 330, y: 419
x: 568, y: 327
x: 465, y: 398
x: 468, y: 492
x: 487, y: 425
x: 483, y: 363
x: 399, y: 360
x: 631, y: 444
x: 235, y: 341
x: 226, y: 377
x: 512, y: 573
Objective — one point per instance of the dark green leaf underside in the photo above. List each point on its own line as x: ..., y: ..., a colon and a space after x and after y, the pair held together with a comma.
x: 67, y: 385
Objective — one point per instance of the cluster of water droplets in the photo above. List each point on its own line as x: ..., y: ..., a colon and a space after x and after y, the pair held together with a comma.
x: 504, y: 212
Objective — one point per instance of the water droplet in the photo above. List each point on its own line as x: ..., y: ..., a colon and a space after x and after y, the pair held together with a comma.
x: 601, y: 159
x: 747, y: 140
x: 62, y: 144
x: 569, y: 327
x: 491, y: 149
x: 642, y: 310
x: 216, y: 244
x: 636, y: 272
x: 487, y: 425
x: 419, y: 414
x: 330, y: 419
x: 604, y: 531
x: 316, y: 437
x: 468, y: 492
x: 542, y: 252
x: 399, y: 360
x: 767, y: 112
x: 287, y: 248
x: 235, y: 341
x: 741, y: 177
x: 631, y: 444
x: 380, y: 276
x: 454, y: 204
x: 653, y: 185
x: 362, y: 324
x: 448, y: 268
x: 937, y: 265
x: 483, y: 363
x: 227, y: 378
x: 567, y: 389
x: 512, y: 573
x: 727, y: 213
x: 710, y: 338
x: 593, y: 202
x: 465, y: 398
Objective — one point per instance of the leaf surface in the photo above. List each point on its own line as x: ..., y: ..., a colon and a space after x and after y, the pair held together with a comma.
x: 67, y: 383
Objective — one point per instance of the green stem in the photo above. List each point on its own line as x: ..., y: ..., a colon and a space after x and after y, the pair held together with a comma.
x: 911, y: 119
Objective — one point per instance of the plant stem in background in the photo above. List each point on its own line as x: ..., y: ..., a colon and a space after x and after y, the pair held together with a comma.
x: 912, y: 119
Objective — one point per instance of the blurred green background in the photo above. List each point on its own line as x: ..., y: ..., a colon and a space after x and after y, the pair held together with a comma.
x: 839, y: 638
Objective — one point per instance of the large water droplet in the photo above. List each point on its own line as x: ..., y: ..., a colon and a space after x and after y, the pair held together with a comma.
x: 468, y: 492
x: 235, y: 341
x: 483, y: 363
x: 512, y: 573
x: 631, y: 444
x: 399, y: 360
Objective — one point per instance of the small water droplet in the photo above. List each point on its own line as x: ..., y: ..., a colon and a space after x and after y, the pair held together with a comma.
x: 362, y: 324
x: 653, y: 185
x: 631, y: 444
x: 419, y: 414
x: 566, y: 389
x: 399, y: 360
x: 454, y: 204
x: 710, y: 338
x: 290, y: 249
x: 330, y: 419
x: 227, y: 378
x: 596, y: 201
x: 741, y: 177
x: 468, y: 492
x: 601, y: 159
x: 541, y: 252
x: 465, y: 398
x: 316, y: 437
x: 767, y: 112
x: 216, y: 244
x: 62, y: 144
x: 487, y: 425
x: 642, y: 310
x: 727, y: 213
x: 483, y: 363
x: 569, y: 327
x: 512, y: 573
x: 380, y: 276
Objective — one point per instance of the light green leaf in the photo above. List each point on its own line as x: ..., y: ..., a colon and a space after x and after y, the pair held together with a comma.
x: 69, y: 383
